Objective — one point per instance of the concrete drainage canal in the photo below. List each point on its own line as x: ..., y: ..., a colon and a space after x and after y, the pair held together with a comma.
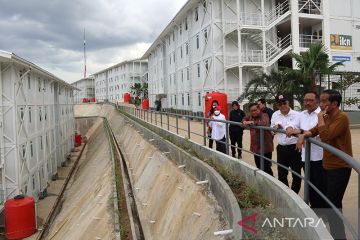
x: 131, y: 184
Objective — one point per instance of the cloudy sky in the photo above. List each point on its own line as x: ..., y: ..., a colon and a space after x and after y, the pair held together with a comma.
x: 50, y: 33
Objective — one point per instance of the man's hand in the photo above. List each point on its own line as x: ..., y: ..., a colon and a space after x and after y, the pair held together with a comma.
x: 278, y: 126
x: 322, y: 114
x: 248, y: 123
x: 289, y: 132
x: 300, y: 142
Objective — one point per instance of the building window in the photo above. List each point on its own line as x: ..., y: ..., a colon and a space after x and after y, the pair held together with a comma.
x: 180, y: 29
x: 23, y: 148
x: 199, y: 99
x: 181, y: 52
x: 196, y: 14
x: 31, y: 149
x: 29, y: 114
x: 173, y: 35
x: 29, y: 81
x: 188, y: 99
x: 207, y: 66
x: 187, y: 74
x: 170, y: 59
x: 40, y: 114
x: 206, y: 35
x: 174, y: 57
x: 22, y: 113
x: 186, y: 24
x: 175, y: 99
x: 198, y: 69
x: 182, y: 99
x: 187, y: 48
x: 39, y: 83
x: 33, y: 182
x: 197, y: 42
x: 182, y: 75
x: 41, y: 143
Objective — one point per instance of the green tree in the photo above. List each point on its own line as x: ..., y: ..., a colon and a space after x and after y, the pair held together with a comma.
x: 139, y: 91
x: 267, y: 86
x: 311, y: 64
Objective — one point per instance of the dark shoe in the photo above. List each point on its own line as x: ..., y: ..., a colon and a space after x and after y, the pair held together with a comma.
x: 233, y: 155
x: 239, y: 157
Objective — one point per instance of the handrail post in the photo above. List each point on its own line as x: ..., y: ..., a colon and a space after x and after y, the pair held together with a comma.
x: 204, y: 130
x: 227, y: 138
x: 307, y: 172
x: 262, y: 139
x: 189, y: 130
x: 168, y: 123
x: 177, y: 124
x: 161, y: 119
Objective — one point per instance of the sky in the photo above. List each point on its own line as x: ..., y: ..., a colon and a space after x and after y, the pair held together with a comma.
x: 50, y: 33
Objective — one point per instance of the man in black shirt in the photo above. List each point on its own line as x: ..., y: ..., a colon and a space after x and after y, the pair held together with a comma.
x: 262, y: 106
x: 235, y: 131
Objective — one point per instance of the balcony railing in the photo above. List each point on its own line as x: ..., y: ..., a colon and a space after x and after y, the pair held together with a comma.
x: 307, y: 40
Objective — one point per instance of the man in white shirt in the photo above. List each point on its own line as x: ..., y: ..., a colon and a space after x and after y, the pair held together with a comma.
x: 308, y: 120
x: 287, y: 155
x: 218, y: 129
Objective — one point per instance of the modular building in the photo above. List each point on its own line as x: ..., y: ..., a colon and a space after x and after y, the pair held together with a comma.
x: 219, y: 45
x: 36, y: 126
x: 113, y: 82
x: 86, y: 90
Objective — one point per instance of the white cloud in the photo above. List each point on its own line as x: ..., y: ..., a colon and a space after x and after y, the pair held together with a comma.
x: 50, y: 33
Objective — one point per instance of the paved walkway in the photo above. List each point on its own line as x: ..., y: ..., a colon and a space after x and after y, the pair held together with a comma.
x: 350, y: 202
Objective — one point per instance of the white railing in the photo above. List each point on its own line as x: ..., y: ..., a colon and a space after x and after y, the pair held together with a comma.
x: 307, y: 40
x: 252, y: 56
x: 251, y: 19
x: 310, y: 6
x: 282, y: 44
x: 277, y: 12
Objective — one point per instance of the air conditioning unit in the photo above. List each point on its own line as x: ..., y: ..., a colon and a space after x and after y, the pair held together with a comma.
x: 358, y: 58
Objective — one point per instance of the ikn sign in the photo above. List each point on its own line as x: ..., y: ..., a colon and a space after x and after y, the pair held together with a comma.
x: 341, y: 42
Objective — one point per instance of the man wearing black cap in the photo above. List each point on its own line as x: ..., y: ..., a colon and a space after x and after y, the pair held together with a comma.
x: 287, y: 155
x: 236, y: 131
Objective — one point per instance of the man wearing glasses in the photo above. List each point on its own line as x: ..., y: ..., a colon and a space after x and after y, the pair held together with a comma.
x: 287, y: 155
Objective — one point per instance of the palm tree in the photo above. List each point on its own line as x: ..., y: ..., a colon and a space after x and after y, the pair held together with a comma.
x: 311, y: 64
x: 267, y: 86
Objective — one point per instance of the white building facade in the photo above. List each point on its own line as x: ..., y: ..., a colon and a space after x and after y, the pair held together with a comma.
x: 219, y: 45
x: 86, y: 90
x: 36, y: 126
x: 112, y: 83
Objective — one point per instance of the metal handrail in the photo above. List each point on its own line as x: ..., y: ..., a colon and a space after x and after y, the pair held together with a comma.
x: 144, y: 116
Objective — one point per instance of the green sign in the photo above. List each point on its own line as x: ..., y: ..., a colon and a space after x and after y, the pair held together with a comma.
x: 341, y: 42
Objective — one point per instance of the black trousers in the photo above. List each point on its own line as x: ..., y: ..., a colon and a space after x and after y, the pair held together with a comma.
x: 236, y: 138
x: 288, y: 156
x: 336, y: 183
x: 211, y: 142
x: 220, y: 145
x: 267, y: 164
x: 317, y: 178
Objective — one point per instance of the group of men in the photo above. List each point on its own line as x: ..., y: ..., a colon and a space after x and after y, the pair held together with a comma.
x: 321, y: 119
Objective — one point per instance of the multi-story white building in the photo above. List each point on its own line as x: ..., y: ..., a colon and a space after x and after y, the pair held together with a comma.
x: 111, y: 83
x: 219, y: 45
x: 86, y: 88
x: 36, y: 126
